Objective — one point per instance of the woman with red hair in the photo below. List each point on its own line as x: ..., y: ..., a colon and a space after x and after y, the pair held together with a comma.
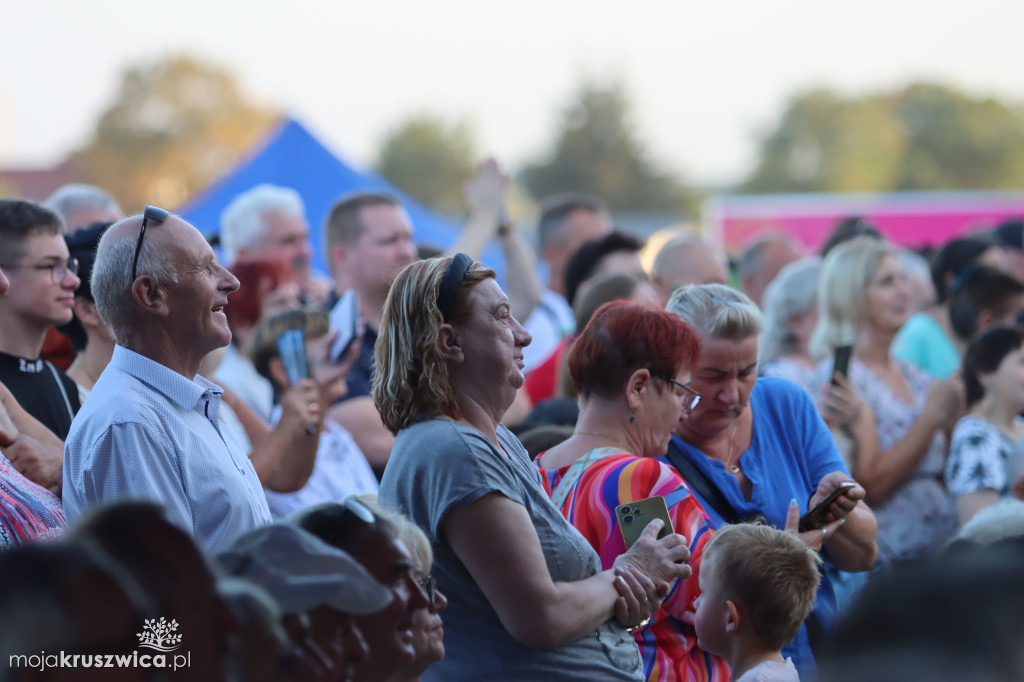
x: 266, y: 286
x: 631, y: 368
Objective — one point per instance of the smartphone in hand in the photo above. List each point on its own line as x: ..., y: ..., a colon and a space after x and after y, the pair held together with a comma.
x: 813, y: 518
x: 841, y: 362
x: 634, y: 517
x: 344, y: 319
x: 291, y: 348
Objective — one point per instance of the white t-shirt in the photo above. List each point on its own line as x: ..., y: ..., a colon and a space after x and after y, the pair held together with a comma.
x: 551, y: 320
x: 771, y: 671
x: 340, y: 470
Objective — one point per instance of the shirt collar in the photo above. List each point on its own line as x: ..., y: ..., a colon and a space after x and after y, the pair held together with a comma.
x: 179, y: 390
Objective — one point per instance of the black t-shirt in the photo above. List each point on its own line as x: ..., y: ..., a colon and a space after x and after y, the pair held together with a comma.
x: 44, y: 391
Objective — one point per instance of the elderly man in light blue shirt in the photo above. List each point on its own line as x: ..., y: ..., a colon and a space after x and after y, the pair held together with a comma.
x: 149, y: 429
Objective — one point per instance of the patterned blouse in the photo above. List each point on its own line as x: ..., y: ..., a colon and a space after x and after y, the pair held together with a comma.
x: 919, y: 515
x: 668, y: 644
x: 980, y: 457
x: 28, y: 512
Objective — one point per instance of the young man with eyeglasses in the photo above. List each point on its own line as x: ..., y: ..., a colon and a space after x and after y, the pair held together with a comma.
x: 43, y: 280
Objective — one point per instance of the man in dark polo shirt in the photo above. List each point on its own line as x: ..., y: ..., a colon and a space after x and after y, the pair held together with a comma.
x: 369, y: 239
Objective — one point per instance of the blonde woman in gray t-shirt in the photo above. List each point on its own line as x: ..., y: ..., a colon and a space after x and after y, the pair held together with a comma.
x: 527, y: 598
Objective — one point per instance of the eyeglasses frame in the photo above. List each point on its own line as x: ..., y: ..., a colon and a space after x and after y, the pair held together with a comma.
x: 695, y: 397
x: 70, y: 264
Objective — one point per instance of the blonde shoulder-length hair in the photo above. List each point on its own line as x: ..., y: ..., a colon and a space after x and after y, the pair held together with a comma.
x: 842, y: 307
x: 412, y: 378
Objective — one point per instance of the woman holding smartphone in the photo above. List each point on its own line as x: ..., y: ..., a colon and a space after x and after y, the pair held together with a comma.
x: 758, y: 448
x: 631, y: 369
x: 863, y: 288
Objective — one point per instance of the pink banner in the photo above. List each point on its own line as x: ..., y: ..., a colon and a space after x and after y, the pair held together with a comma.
x: 912, y: 219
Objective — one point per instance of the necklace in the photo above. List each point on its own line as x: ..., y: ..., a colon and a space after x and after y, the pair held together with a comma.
x: 733, y: 467
x: 604, y: 436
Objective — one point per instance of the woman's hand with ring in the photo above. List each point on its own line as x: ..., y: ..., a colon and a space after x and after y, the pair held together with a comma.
x: 814, y: 538
x: 638, y: 597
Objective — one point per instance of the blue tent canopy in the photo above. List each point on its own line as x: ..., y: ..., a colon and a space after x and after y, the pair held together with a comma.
x: 292, y: 157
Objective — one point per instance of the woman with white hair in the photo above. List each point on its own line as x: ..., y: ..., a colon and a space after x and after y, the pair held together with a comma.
x: 863, y: 289
x: 790, y: 313
x: 758, y: 448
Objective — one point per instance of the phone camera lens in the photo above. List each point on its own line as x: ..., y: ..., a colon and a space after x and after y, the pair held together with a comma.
x: 637, y: 511
x: 627, y: 519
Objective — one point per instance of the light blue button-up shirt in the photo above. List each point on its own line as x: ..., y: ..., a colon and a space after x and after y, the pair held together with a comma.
x: 146, y: 432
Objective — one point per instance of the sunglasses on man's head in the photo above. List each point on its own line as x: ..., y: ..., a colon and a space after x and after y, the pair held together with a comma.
x: 157, y: 215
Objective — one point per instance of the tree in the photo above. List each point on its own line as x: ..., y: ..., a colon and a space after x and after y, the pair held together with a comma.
x: 922, y: 137
x: 429, y: 160
x: 175, y: 125
x: 595, y: 151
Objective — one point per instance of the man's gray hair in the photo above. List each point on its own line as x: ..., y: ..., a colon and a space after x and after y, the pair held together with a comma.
x: 111, y: 281
x: 77, y: 196
x: 241, y: 223
x: 716, y: 311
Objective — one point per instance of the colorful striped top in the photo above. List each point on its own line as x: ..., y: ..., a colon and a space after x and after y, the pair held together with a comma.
x: 669, y: 643
x: 28, y: 512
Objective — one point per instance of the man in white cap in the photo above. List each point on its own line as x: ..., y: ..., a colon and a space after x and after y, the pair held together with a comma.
x: 318, y: 588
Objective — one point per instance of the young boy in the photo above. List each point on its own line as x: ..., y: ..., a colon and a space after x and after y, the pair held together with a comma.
x: 757, y: 586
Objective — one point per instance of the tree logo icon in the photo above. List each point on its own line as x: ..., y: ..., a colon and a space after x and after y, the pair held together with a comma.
x: 159, y: 635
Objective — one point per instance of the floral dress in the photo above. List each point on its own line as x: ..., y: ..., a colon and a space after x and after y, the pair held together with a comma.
x: 919, y: 515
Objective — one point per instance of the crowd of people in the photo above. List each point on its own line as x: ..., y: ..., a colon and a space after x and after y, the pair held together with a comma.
x: 230, y: 466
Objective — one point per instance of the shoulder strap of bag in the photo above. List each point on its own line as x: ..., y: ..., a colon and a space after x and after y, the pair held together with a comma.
x: 574, y: 473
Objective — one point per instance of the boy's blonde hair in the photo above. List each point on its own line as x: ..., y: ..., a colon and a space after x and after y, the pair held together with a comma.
x: 770, y: 572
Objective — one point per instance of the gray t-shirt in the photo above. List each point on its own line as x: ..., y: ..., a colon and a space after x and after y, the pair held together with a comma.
x: 437, y: 466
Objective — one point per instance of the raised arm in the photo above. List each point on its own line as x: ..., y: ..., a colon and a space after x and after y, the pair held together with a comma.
x: 881, y: 475
x: 486, y: 197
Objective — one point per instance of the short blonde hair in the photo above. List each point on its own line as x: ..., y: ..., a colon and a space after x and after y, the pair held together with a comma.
x: 412, y: 379
x: 716, y: 311
x: 410, y: 535
x: 842, y: 308
x: 771, y: 573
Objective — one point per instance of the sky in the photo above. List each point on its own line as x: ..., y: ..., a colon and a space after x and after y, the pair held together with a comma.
x: 706, y: 79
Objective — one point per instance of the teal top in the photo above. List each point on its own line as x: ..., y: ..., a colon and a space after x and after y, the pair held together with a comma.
x: 923, y: 343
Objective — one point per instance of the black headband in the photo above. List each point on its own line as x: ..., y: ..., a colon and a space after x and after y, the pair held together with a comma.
x: 452, y: 282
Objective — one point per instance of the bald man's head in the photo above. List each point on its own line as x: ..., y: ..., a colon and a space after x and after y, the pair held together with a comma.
x: 688, y: 259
